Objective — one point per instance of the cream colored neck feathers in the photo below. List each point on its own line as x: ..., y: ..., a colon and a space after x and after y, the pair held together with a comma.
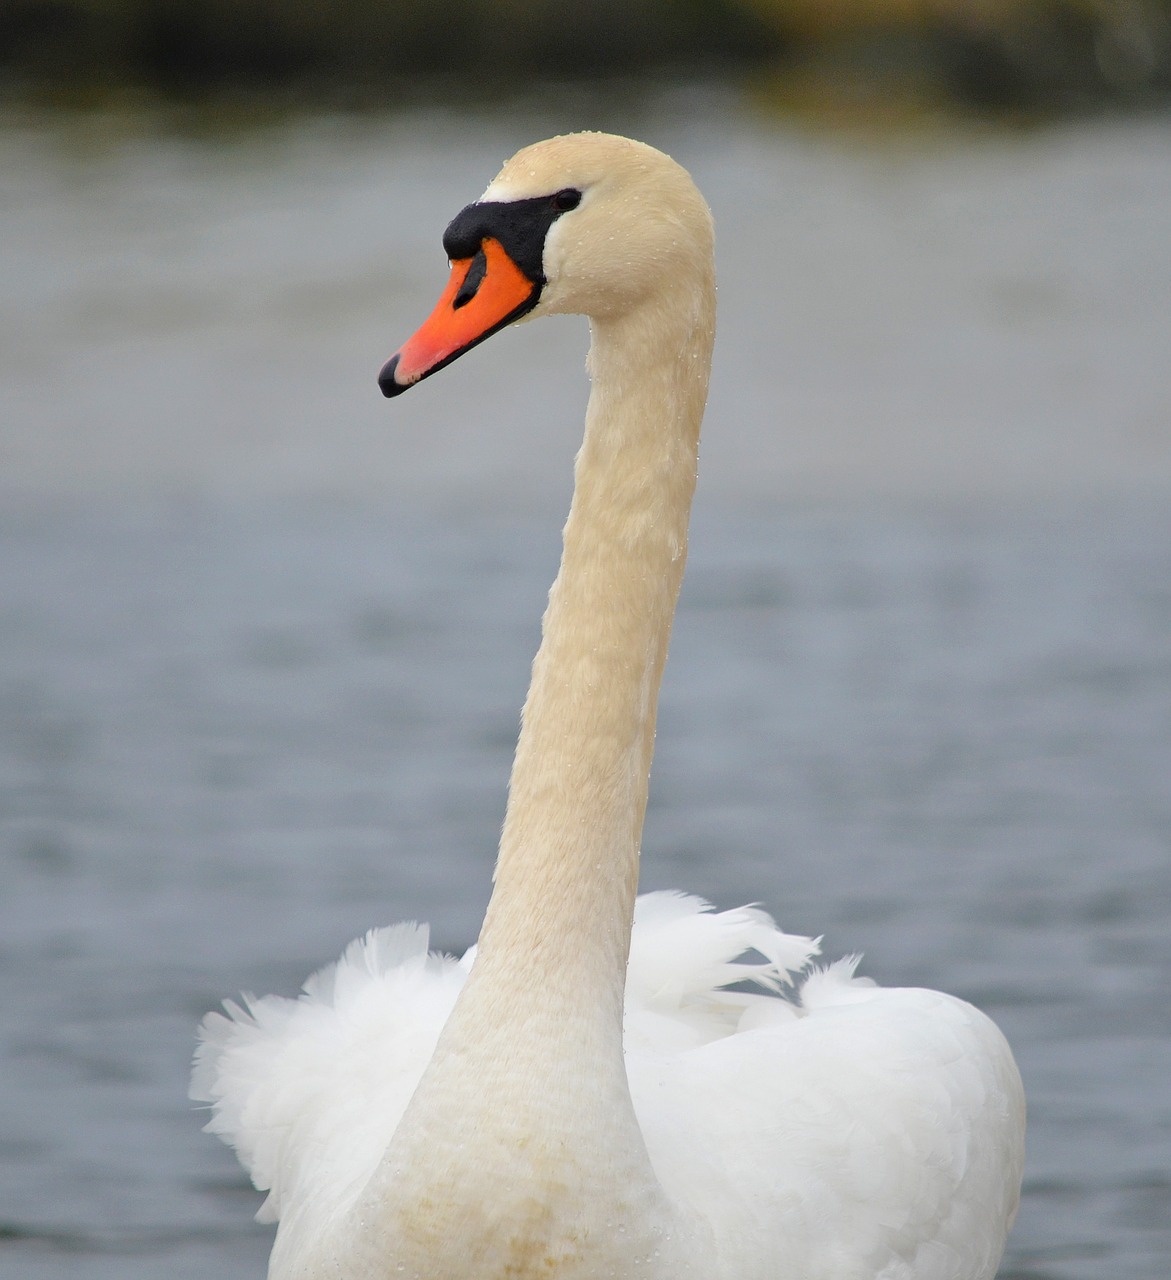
x: 520, y: 1142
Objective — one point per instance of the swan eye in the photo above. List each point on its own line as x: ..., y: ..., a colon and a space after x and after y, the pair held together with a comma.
x: 565, y: 200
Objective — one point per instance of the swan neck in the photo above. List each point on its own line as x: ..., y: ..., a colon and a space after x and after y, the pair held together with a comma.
x: 567, y: 874
x: 525, y: 1100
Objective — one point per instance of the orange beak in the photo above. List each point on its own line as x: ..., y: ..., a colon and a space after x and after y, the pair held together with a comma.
x: 485, y: 292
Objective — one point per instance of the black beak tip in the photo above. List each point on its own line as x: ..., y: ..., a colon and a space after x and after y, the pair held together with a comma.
x: 389, y: 384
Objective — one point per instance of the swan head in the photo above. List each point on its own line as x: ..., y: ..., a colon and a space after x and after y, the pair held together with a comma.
x: 587, y: 223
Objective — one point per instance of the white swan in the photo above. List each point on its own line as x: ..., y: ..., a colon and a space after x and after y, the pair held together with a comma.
x: 415, y: 1116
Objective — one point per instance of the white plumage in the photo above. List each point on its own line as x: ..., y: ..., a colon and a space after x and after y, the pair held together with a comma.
x: 315, y: 1085
x: 872, y: 1091
x: 710, y: 1108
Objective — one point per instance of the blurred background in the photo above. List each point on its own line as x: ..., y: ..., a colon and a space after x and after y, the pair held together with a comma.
x: 263, y: 635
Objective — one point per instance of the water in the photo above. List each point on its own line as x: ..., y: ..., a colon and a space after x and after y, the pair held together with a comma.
x: 264, y: 637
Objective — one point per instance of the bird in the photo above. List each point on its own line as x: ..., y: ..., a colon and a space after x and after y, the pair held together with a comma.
x: 606, y: 1088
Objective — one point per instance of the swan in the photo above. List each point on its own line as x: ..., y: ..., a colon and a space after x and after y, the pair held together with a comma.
x: 591, y: 1092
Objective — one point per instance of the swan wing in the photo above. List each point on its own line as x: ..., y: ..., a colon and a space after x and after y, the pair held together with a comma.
x: 309, y: 1091
x: 873, y: 1132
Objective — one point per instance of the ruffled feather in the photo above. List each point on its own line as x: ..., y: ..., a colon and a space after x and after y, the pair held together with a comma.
x: 313, y: 1087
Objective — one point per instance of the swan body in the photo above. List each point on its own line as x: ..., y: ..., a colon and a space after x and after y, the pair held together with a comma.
x: 584, y: 1096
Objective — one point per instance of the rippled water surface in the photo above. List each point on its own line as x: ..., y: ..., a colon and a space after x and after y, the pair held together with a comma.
x: 263, y: 637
